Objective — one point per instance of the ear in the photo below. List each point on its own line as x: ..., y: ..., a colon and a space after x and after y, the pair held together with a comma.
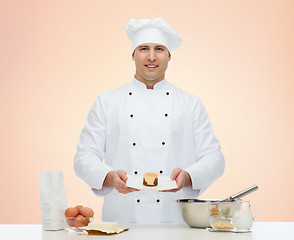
x: 133, y: 54
x: 169, y: 57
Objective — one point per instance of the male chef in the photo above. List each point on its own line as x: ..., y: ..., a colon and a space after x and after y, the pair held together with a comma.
x: 148, y: 125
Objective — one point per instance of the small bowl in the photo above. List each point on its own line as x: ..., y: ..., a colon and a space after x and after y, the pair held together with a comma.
x: 74, y: 223
x: 221, y: 222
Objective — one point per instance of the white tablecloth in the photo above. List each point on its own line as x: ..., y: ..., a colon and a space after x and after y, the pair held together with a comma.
x: 260, y: 231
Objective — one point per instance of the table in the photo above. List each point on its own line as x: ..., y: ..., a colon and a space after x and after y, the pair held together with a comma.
x: 260, y: 231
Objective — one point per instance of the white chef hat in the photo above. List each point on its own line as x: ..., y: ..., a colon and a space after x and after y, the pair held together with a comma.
x: 154, y: 30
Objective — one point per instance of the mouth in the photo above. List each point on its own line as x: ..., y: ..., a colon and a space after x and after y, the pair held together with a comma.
x: 151, y: 66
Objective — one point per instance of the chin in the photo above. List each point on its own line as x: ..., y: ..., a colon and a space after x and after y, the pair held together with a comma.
x: 154, y: 78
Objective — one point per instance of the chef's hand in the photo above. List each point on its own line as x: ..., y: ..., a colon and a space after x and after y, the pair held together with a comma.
x: 182, y: 178
x: 117, y: 179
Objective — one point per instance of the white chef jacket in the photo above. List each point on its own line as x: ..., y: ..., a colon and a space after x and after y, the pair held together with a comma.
x: 147, y: 130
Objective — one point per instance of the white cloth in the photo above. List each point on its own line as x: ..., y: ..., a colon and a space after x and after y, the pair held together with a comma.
x: 155, y: 30
x: 141, y: 130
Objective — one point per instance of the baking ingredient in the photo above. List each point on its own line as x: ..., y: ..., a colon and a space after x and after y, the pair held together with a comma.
x: 214, y: 211
x: 78, y: 216
x: 71, y: 212
x: 223, y: 225
x: 87, y: 220
x: 86, y: 212
x: 70, y: 221
x: 80, y: 221
x: 243, y: 220
x: 78, y: 207
x: 104, y: 226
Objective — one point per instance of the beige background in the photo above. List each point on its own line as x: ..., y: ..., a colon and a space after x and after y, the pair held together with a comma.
x: 57, y: 56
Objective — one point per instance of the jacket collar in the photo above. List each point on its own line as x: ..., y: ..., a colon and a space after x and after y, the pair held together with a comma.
x: 160, y: 85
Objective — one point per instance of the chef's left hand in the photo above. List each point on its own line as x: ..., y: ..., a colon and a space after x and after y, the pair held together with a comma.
x: 182, y: 178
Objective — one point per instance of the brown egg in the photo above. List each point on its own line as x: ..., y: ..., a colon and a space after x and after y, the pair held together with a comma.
x: 87, y: 220
x: 80, y: 221
x: 70, y: 221
x: 71, y: 212
x: 86, y: 211
x: 78, y: 207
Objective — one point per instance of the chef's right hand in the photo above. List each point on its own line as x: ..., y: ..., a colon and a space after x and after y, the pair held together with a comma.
x: 117, y: 179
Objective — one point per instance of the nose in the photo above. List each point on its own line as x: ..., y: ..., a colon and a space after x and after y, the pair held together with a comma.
x: 152, y: 55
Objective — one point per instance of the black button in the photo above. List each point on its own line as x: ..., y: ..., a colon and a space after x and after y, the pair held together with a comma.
x: 131, y: 115
x: 161, y: 171
x: 163, y: 143
x: 167, y: 93
x: 138, y: 200
x: 130, y: 93
x: 135, y: 172
x: 166, y: 114
x: 157, y: 200
x: 134, y: 144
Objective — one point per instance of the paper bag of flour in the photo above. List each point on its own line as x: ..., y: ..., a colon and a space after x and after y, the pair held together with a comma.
x: 53, y: 200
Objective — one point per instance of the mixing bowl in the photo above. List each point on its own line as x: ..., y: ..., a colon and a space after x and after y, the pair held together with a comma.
x: 196, y: 212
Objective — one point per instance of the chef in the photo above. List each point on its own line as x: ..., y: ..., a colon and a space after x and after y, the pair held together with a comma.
x: 148, y: 125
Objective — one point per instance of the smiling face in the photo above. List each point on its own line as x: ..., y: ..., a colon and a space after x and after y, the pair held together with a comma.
x: 151, y: 60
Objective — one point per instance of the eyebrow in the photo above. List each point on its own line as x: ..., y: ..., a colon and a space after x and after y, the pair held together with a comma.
x: 156, y: 46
